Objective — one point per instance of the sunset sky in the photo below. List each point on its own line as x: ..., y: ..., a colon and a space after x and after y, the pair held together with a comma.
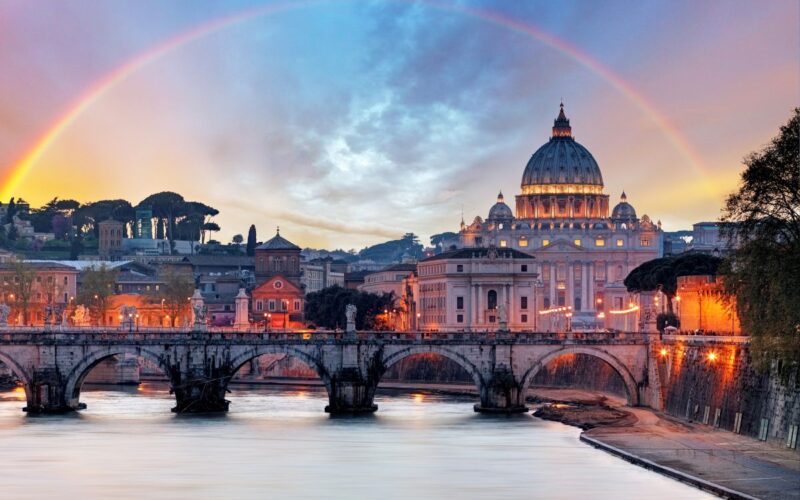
x: 348, y: 123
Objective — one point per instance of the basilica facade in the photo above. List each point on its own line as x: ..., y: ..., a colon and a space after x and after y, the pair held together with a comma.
x: 582, y: 247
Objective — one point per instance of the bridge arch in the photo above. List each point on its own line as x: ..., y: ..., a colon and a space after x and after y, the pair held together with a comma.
x: 312, y: 361
x: 631, y: 387
x: 79, y: 373
x: 19, y: 371
x: 461, y: 360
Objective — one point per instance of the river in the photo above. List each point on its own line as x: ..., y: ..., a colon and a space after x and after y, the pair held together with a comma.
x: 278, y: 443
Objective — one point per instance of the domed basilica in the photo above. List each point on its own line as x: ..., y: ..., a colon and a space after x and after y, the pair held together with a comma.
x: 562, y: 219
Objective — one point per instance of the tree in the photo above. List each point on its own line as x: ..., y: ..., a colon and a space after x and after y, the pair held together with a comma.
x: 251, y: 240
x: 762, y: 223
x: 327, y: 307
x: 210, y: 226
x: 175, y: 293
x: 19, y: 287
x: 166, y: 206
x: 237, y: 239
x: 662, y: 274
x: 97, y: 287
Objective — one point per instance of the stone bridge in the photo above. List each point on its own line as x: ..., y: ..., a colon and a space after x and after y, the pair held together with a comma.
x: 199, y: 365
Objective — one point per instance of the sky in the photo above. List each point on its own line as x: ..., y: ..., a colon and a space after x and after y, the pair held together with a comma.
x: 348, y: 123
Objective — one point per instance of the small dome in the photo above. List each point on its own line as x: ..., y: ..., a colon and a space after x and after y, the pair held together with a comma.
x: 562, y: 160
x: 500, y: 211
x: 624, y: 211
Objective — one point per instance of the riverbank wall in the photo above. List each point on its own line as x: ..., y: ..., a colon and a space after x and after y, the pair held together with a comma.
x: 717, y: 384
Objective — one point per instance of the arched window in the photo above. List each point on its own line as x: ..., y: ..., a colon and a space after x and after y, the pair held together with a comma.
x: 491, y: 299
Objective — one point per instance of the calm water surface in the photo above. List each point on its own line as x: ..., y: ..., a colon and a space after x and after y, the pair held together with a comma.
x: 279, y: 443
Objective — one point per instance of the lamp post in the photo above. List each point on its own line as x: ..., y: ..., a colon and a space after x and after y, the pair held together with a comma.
x: 265, y: 322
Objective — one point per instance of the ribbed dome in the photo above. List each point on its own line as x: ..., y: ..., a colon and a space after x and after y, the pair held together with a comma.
x: 623, y: 210
x: 562, y: 160
x: 500, y: 211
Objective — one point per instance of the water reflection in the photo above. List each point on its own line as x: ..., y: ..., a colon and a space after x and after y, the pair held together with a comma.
x: 276, y: 443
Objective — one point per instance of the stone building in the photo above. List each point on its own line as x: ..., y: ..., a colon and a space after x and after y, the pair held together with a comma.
x: 278, y: 302
x: 53, y: 285
x: 562, y: 219
x: 110, y: 242
x: 700, y: 306
x: 278, y: 257
x: 320, y: 273
x: 468, y: 289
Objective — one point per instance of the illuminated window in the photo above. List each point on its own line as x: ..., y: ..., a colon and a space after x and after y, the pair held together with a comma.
x: 577, y: 243
x: 599, y: 242
x: 645, y: 242
x: 503, y: 243
x: 523, y: 242
x: 620, y: 243
x: 545, y: 243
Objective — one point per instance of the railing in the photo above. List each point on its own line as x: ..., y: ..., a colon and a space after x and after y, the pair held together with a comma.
x: 708, y: 339
x: 91, y: 334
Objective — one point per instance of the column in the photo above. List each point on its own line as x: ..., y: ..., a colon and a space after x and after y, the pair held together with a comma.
x: 478, y: 312
x: 591, y: 282
x: 472, y: 306
x: 512, y: 306
x: 570, y: 299
x: 553, y: 267
x: 586, y: 305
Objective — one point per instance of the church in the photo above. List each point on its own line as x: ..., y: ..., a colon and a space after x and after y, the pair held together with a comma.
x: 582, y: 253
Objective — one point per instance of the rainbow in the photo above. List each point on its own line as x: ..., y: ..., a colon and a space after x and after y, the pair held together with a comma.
x: 107, y: 83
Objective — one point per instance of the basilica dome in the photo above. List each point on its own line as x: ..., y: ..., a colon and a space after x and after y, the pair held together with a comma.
x: 562, y: 161
x: 623, y: 211
x: 500, y: 211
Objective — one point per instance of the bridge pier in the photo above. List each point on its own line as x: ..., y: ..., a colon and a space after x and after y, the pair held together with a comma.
x: 502, y: 394
x: 350, y: 393
x: 46, y: 394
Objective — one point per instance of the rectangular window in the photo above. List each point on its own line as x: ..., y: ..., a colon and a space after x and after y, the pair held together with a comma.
x: 459, y: 302
x: 645, y: 242
x: 296, y: 305
x: 460, y: 268
x: 271, y: 305
x: 547, y: 302
x: 523, y: 242
x: 599, y: 242
x: 503, y: 243
x: 577, y: 243
x: 620, y: 242
x: 524, y: 268
x: 478, y: 241
x: 524, y: 318
x: 523, y: 303
x: 259, y: 305
x: 545, y: 242
x: 618, y: 303
x: 460, y: 318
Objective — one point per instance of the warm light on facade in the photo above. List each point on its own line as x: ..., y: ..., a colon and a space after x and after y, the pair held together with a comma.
x: 712, y: 356
x: 545, y: 243
x: 663, y: 352
x: 562, y: 189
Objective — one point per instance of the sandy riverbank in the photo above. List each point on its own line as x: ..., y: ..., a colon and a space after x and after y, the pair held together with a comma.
x: 686, y: 451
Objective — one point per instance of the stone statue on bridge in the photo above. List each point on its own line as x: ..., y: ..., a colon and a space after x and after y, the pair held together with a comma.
x: 502, y: 317
x: 350, y: 314
x: 4, y: 312
x: 80, y: 317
